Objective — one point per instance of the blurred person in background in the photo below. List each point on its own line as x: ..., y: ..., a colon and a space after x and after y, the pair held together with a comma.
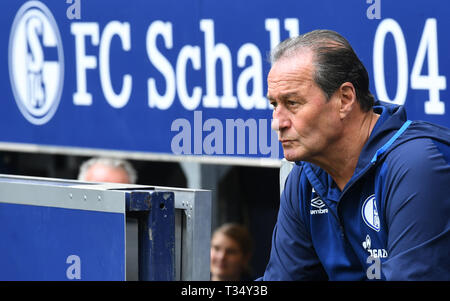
x: 107, y: 170
x: 231, y: 250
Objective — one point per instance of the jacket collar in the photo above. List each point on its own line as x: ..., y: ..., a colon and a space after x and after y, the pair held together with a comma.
x: 392, y: 118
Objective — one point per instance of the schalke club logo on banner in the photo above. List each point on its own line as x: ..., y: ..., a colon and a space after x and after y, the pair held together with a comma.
x: 36, y: 63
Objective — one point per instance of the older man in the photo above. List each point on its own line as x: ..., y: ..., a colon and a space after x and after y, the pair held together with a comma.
x: 107, y: 170
x: 369, y: 196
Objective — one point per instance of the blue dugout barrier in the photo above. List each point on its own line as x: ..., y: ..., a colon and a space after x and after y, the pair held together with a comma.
x: 53, y: 229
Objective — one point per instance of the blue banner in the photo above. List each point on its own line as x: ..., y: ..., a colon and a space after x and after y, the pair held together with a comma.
x: 175, y: 78
x: 48, y: 243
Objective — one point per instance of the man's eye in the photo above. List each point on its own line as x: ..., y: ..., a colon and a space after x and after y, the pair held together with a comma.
x: 291, y: 103
x: 273, y: 104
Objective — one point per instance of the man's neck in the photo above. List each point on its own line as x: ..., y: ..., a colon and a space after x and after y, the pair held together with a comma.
x: 344, y: 156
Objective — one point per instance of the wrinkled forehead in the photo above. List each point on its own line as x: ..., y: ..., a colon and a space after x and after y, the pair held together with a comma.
x: 289, y: 72
x: 299, y: 61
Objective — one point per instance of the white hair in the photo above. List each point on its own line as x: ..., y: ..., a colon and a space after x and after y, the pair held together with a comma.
x: 112, y: 162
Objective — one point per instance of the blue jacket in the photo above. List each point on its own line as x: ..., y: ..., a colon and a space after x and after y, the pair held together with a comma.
x: 391, y: 221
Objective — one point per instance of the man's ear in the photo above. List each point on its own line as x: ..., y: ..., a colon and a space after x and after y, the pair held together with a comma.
x: 347, y: 95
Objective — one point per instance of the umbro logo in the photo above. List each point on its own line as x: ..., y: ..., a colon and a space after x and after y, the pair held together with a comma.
x: 319, y: 205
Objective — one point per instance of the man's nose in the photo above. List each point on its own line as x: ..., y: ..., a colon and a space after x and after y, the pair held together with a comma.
x: 280, y: 119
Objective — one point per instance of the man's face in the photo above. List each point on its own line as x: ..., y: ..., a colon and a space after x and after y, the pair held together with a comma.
x: 307, y: 123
